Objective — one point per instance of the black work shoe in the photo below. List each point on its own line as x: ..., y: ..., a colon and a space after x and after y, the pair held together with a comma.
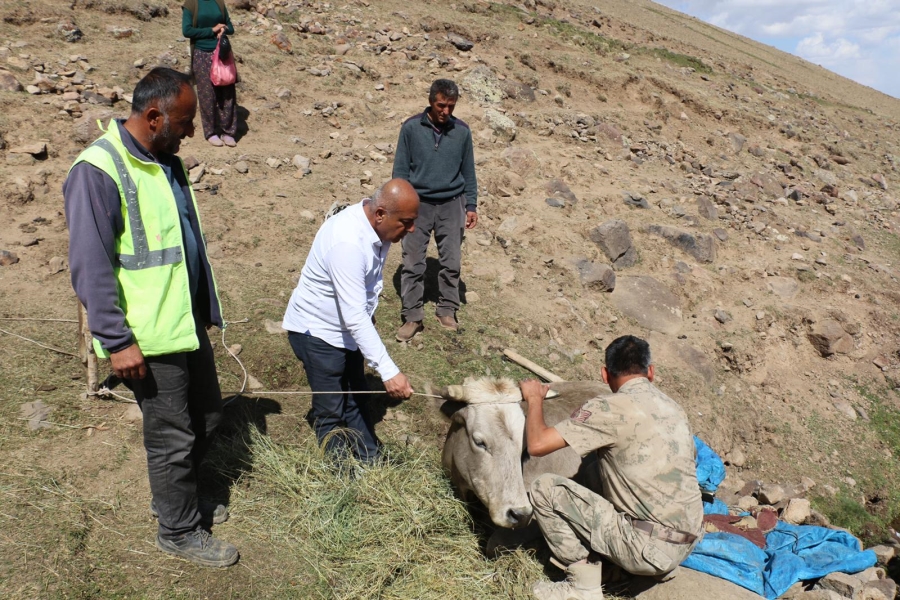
x: 210, y: 511
x: 200, y: 547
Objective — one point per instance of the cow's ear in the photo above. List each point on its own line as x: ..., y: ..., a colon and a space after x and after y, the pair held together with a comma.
x: 450, y: 409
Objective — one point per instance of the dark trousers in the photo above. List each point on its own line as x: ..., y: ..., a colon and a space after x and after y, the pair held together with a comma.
x: 182, y: 405
x: 216, y: 103
x: 447, y: 220
x: 337, y: 419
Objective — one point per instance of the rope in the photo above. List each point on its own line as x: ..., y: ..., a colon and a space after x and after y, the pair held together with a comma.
x: 38, y: 343
x: 104, y: 391
x: 36, y: 319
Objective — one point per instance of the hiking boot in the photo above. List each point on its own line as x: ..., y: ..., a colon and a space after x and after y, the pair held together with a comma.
x: 200, y: 547
x: 210, y: 511
x: 448, y: 322
x: 409, y: 330
x: 582, y: 583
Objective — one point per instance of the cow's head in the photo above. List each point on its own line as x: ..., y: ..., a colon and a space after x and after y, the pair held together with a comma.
x: 484, y: 447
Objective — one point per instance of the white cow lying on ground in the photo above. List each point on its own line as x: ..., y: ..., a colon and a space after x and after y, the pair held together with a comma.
x: 485, y: 454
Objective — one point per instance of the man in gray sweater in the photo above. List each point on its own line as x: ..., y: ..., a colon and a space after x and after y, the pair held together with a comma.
x: 434, y: 153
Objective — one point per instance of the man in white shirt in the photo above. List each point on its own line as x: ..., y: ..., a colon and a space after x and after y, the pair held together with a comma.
x: 330, y: 317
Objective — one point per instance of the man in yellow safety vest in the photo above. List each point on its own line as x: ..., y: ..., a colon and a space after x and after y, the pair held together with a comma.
x: 139, y: 265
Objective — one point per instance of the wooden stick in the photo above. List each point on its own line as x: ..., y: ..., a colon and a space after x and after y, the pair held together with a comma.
x: 86, y: 352
x: 534, y: 368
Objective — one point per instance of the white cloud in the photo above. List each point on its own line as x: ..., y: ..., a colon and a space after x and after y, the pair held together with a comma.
x: 859, y: 39
x: 816, y: 49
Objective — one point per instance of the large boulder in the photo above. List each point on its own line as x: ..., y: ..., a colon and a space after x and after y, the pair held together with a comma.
x: 614, y: 239
x: 521, y: 161
x: 649, y: 302
x: 483, y: 86
x: 829, y: 337
x: 596, y: 276
x: 503, y: 127
x: 689, y: 585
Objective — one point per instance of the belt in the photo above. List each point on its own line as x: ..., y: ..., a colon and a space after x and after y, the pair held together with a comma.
x: 661, y: 532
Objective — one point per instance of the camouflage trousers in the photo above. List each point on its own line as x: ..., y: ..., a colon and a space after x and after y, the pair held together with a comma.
x: 575, y: 520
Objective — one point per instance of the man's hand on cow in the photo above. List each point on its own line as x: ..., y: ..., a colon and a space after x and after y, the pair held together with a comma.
x: 471, y: 219
x: 533, y: 390
x: 398, y: 387
x: 129, y: 363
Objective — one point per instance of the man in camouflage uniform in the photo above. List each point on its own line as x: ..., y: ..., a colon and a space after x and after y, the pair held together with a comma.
x: 650, y: 514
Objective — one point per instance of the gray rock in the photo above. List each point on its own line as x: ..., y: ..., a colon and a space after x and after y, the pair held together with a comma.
x: 688, y: 584
x: 706, y: 209
x: 301, y: 162
x: 9, y: 83
x: 596, y: 276
x: 614, y: 239
x: 649, y: 302
x: 737, y: 142
x: 558, y: 189
x: 35, y: 149
x: 190, y: 162
x: 460, y: 42
x: 517, y: 91
x: 521, y: 161
x: 7, y: 258
x: 681, y: 355
x: 887, y: 588
x: 701, y: 246
x: 36, y: 414
x: 241, y: 166
x: 133, y: 414
x: 635, y: 200
x: 58, y: 264
x: 770, y: 494
x: 69, y: 31
x: 502, y: 126
x: 85, y: 128
x: 845, y: 408
x: 845, y: 585
x: 783, y: 287
x: 818, y: 595
x: 483, y: 86
x: 884, y: 554
x: 722, y: 316
x: 721, y: 234
x: 829, y: 337
x: 554, y: 202
x: 796, y: 512
x: 274, y: 327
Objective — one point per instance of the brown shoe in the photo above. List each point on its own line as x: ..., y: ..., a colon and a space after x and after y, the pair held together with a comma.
x: 448, y: 322
x: 409, y: 330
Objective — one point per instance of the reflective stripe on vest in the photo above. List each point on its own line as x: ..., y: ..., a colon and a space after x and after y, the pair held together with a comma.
x: 143, y: 257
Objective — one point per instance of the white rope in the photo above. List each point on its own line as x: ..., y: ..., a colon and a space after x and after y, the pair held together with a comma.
x: 22, y: 337
x: 36, y: 319
x: 104, y: 391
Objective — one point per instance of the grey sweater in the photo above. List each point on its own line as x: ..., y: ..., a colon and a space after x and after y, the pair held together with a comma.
x: 94, y: 216
x: 439, y: 166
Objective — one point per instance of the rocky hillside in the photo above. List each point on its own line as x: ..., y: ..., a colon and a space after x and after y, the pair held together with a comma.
x: 639, y: 172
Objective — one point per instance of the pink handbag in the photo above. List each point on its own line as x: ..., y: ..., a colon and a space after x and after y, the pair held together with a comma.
x: 222, y: 72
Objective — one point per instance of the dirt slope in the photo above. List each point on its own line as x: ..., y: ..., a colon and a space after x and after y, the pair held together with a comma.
x: 758, y: 191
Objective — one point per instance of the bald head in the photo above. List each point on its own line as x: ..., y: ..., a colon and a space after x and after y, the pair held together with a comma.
x: 393, y: 209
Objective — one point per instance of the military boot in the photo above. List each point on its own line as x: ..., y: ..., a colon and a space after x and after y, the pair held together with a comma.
x: 582, y: 583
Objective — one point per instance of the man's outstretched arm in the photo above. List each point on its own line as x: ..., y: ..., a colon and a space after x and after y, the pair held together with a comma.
x: 541, y: 440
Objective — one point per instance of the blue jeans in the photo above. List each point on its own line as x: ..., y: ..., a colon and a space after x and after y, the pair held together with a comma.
x: 336, y: 418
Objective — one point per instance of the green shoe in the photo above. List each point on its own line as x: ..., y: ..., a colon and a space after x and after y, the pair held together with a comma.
x: 210, y: 511
x: 200, y: 547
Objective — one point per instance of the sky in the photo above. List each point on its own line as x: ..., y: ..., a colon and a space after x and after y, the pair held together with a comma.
x: 854, y: 38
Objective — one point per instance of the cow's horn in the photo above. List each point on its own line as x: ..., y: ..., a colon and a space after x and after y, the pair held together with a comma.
x: 454, y: 392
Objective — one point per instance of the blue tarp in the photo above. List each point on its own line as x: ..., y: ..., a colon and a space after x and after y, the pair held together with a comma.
x: 793, y: 553
x: 710, y: 469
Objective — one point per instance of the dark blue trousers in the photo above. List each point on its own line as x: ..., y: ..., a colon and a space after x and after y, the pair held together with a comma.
x: 337, y: 419
x: 182, y: 405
